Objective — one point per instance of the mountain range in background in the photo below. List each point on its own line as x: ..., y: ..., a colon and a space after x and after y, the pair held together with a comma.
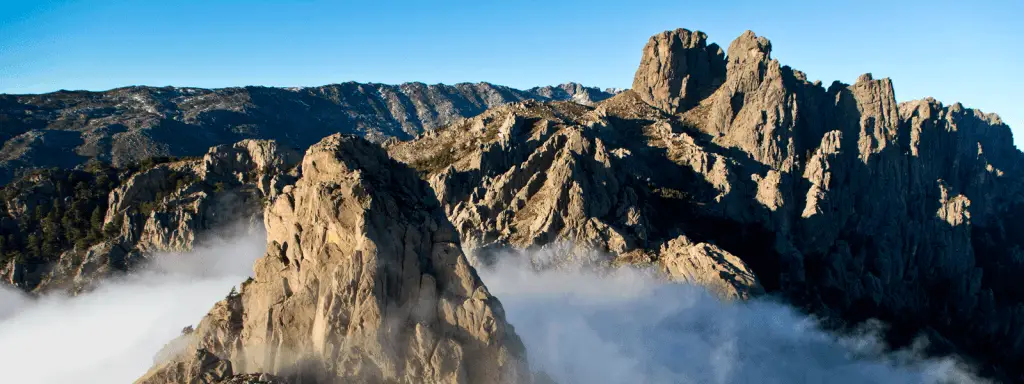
x: 66, y: 129
x: 720, y: 167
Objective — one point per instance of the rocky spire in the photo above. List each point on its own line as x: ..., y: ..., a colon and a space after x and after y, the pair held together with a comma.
x: 738, y: 174
x: 363, y: 280
x: 757, y: 107
x: 895, y: 209
x: 678, y: 69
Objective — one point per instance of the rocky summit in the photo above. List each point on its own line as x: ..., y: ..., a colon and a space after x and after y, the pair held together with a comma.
x: 721, y: 168
x: 737, y: 172
x: 363, y: 280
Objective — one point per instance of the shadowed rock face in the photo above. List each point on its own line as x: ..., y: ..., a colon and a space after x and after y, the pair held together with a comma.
x: 532, y: 175
x: 66, y: 128
x: 730, y: 171
x: 879, y: 209
x: 841, y: 199
x: 363, y: 280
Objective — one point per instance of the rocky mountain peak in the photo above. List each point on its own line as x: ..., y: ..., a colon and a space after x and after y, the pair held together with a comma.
x: 364, y: 280
x: 733, y: 172
x: 737, y: 173
x: 574, y: 92
x: 678, y: 69
x: 749, y: 48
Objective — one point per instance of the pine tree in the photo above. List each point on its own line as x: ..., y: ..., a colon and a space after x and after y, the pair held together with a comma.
x: 51, y: 231
x: 113, y: 227
x: 81, y: 190
x: 12, y: 242
x: 34, y: 246
x: 17, y: 257
x: 71, y: 228
x: 96, y: 222
x: 103, y: 181
x: 50, y: 249
x: 56, y: 208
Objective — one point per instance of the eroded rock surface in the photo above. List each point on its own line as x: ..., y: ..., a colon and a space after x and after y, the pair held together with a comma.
x: 709, y: 266
x: 875, y: 209
x: 363, y: 281
x: 531, y: 175
x: 679, y: 69
x: 848, y: 203
x: 731, y: 171
x: 169, y: 207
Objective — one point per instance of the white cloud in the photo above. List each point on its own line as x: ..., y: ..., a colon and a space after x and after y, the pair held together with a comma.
x: 628, y: 327
x: 111, y: 334
x: 578, y: 326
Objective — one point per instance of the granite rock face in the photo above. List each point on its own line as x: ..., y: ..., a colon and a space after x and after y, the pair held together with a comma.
x: 242, y: 175
x: 126, y: 125
x: 848, y: 203
x: 710, y: 266
x: 679, y: 69
x: 170, y: 207
x: 731, y: 171
x: 876, y: 209
x: 572, y: 180
x: 363, y: 280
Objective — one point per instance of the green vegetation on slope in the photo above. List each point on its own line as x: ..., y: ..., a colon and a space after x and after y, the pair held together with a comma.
x: 50, y: 211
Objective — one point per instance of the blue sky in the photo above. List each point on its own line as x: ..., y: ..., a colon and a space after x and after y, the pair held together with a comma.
x: 954, y: 51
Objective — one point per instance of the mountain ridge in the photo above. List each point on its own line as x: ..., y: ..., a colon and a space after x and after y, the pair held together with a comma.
x: 849, y: 204
x: 721, y: 167
x: 131, y: 124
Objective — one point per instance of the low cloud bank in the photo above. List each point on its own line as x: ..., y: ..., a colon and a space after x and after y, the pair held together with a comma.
x: 627, y: 326
x: 579, y: 326
x: 111, y: 334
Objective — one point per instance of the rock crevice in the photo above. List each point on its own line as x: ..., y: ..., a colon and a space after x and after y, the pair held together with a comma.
x: 363, y: 280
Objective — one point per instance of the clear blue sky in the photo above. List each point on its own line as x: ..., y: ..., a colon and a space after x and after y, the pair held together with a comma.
x: 972, y: 52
